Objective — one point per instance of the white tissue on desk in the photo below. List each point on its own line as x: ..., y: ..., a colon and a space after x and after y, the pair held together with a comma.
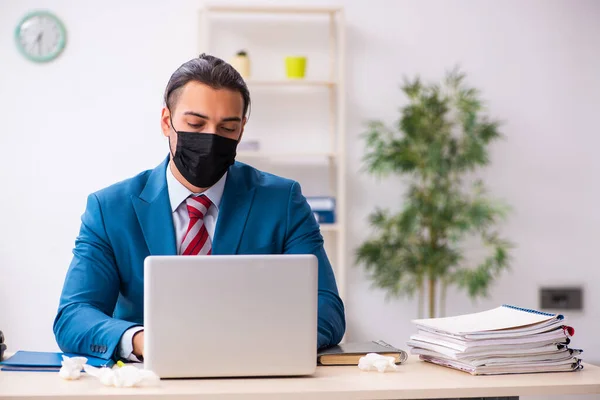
x: 374, y: 361
x: 127, y: 376
x: 71, y: 367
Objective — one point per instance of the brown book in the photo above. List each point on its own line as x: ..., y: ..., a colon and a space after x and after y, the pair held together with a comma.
x: 350, y: 353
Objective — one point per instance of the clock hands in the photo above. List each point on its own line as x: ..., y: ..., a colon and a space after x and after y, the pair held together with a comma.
x: 38, y: 41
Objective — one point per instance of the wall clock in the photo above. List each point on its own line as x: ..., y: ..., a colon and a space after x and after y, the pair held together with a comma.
x: 40, y: 36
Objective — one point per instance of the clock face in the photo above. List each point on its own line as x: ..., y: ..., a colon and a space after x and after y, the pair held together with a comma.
x: 40, y: 36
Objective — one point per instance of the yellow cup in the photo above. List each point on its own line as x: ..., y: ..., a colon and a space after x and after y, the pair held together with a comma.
x: 295, y: 67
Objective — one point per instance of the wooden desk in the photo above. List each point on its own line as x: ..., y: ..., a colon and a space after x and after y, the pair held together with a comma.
x: 414, y: 380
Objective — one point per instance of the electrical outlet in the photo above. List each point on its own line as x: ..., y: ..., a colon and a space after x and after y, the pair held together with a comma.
x: 561, y: 298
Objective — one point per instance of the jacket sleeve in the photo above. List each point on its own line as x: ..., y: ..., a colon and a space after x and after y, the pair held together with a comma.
x: 84, y: 322
x: 304, y: 237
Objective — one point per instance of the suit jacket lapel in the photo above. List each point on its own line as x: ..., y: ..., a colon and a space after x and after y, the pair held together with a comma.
x: 153, y: 211
x: 233, y: 212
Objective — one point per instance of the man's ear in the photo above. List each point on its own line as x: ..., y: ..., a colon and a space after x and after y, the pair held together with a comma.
x: 165, y: 121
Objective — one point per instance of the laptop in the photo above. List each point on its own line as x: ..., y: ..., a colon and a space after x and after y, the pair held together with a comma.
x: 230, y: 316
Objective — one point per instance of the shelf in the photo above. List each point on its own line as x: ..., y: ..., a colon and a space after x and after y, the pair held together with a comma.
x: 284, y: 155
x: 273, y: 10
x: 329, y: 227
x: 290, y: 82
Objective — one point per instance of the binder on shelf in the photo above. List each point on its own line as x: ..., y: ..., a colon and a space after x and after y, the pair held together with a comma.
x: 323, y: 208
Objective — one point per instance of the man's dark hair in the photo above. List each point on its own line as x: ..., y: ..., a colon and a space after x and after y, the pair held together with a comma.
x: 211, y: 71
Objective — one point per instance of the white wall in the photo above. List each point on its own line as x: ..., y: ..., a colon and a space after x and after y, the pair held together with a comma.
x: 92, y: 118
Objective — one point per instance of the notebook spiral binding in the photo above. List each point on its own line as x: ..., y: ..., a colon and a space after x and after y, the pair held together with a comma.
x: 529, y: 310
x: 403, y: 354
x: 383, y: 343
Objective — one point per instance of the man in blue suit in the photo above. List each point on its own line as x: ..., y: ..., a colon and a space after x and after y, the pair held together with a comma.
x: 198, y: 201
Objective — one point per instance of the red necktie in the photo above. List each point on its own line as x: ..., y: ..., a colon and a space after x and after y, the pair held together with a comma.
x: 196, y: 240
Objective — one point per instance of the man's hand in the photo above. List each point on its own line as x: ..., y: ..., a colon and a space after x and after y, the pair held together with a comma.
x: 138, y: 344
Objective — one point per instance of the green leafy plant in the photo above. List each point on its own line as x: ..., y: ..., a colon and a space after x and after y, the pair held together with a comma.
x: 440, y: 141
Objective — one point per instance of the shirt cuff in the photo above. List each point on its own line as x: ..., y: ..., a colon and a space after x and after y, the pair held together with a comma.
x: 126, y: 344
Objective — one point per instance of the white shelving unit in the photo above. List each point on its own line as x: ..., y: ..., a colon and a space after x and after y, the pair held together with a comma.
x: 332, y: 86
x: 253, y: 83
x: 285, y: 155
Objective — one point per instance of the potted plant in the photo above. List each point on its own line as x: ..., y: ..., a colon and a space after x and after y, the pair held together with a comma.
x: 241, y: 62
x: 438, y: 145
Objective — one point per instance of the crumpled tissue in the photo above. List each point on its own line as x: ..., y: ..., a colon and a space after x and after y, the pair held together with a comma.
x: 374, y: 361
x: 71, y: 367
x: 126, y: 376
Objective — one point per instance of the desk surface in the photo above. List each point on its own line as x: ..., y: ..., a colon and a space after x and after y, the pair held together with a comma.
x: 413, y: 380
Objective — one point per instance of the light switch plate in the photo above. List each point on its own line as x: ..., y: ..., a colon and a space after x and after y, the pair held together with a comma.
x: 561, y: 298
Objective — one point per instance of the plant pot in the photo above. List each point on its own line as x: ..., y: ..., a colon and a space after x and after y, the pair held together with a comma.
x: 295, y: 67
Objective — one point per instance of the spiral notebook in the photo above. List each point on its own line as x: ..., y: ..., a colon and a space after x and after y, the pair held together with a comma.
x: 496, y: 322
x: 503, y: 340
x: 350, y: 353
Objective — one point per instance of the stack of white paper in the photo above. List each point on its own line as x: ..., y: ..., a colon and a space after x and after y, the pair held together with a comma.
x: 504, y: 340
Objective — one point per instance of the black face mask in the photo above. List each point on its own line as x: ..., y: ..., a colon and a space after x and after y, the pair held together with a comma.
x: 203, y: 158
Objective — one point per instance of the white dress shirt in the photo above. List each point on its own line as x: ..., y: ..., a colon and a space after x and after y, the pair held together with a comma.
x: 181, y: 219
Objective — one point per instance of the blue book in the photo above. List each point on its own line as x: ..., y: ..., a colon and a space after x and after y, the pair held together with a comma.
x: 43, y: 361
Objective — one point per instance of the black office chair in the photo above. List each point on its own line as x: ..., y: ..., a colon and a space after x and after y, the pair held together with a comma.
x: 2, y: 346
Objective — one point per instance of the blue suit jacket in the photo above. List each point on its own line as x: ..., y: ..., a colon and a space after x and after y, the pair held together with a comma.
x: 103, y: 291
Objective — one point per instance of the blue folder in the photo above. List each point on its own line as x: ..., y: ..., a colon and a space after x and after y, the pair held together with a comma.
x: 42, y: 361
